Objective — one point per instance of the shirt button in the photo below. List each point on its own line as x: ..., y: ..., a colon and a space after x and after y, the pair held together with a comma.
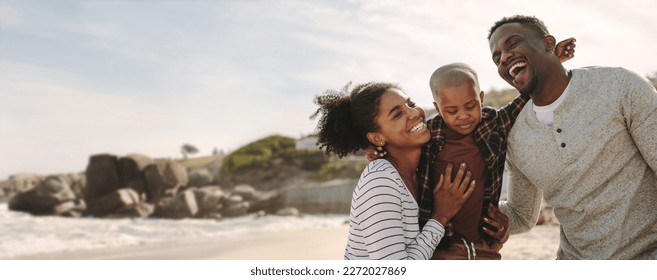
x: 558, y: 130
x: 563, y: 145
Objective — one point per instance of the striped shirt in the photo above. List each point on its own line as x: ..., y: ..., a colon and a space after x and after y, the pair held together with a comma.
x: 383, y: 222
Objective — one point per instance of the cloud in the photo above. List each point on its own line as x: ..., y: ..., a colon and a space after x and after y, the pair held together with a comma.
x: 10, y: 16
x: 126, y: 76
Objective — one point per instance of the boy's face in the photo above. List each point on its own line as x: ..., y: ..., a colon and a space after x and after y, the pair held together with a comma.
x: 460, y: 107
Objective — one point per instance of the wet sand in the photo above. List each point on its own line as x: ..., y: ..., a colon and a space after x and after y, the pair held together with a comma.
x: 317, y: 244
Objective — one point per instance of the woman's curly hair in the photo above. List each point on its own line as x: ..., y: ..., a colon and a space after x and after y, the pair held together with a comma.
x: 348, y: 117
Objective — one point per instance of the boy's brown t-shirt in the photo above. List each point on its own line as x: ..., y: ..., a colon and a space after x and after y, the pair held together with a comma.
x: 457, y: 149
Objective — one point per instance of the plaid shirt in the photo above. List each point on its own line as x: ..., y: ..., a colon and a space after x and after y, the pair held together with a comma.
x: 490, y: 136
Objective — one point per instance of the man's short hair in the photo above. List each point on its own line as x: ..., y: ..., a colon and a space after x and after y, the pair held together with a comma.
x: 532, y: 22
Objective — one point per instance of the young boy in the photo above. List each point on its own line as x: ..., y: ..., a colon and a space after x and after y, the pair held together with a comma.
x: 466, y: 133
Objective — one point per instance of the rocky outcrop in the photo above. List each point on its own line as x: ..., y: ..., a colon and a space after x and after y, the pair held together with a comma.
x: 210, y: 200
x: 129, y: 185
x: 200, y: 177
x: 131, y: 171
x: 182, y: 205
x: 52, y: 196
x: 113, y: 201
x: 102, y: 177
x: 138, y: 186
x: 163, y: 179
x: 23, y: 182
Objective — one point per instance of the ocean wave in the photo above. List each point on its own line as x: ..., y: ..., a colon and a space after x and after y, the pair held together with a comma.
x: 24, y: 234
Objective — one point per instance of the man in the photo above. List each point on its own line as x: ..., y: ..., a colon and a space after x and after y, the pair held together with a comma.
x: 586, y: 143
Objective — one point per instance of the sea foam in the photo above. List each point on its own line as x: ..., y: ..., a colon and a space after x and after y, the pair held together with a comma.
x: 24, y: 234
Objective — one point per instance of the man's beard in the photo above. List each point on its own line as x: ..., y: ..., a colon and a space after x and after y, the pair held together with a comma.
x: 529, y: 89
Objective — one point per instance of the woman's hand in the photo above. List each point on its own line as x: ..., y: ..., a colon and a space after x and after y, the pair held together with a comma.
x: 565, y: 50
x: 498, y: 221
x: 448, y: 196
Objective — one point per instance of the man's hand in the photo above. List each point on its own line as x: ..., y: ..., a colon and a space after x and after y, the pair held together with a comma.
x: 499, y: 221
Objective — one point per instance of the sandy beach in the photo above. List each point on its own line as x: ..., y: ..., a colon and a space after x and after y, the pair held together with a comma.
x: 309, y: 244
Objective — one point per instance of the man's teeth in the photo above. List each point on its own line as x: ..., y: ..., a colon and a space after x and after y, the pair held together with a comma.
x: 513, y: 68
x: 417, y: 127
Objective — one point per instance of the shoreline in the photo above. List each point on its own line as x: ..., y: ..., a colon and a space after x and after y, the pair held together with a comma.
x: 306, y: 244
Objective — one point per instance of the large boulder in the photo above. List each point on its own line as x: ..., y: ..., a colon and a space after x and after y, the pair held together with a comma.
x: 113, y: 201
x: 58, y: 187
x: 138, y: 210
x: 200, y: 177
x: 102, y: 177
x: 23, y: 182
x: 183, y: 205
x: 72, y: 209
x: 210, y: 199
x: 44, y: 198
x: 164, y: 179
x: 236, y: 210
x: 233, y: 199
x: 268, y: 202
x: 247, y: 192
x: 77, y: 182
x: 33, y: 202
x: 131, y: 168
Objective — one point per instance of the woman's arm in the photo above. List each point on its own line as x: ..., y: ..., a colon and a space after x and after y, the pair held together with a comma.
x: 379, y: 209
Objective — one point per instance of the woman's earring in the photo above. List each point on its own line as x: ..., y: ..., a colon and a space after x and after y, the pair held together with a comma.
x: 380, y: 152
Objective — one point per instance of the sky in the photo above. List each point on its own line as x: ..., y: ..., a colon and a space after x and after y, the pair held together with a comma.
x: 79, y: 78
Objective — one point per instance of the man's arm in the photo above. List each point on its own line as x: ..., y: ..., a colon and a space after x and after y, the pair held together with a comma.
x: 639, y: 106
x: 524, y: 202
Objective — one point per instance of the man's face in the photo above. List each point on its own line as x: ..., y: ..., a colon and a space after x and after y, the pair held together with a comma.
x: 518, y: 54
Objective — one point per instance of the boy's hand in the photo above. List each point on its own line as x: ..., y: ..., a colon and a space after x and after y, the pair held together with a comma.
x: 497, y: 220
x: 565, y: 50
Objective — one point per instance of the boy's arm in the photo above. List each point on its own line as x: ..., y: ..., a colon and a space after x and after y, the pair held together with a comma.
x: 639, y: 107
x: 507, y: 115
x: 524, y: 202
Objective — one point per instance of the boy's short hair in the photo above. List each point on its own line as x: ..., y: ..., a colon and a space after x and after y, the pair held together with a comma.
x: 453, y: 74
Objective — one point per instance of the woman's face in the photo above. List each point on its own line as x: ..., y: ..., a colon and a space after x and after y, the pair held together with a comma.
x: 401, y: 124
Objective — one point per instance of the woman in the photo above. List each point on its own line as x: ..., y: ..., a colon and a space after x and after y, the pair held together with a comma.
x: 384, y: 210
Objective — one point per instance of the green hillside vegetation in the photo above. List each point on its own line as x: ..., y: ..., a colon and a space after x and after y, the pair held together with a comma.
x: 269, y: 151
x: 198, y: 162
x: 341, y: 169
